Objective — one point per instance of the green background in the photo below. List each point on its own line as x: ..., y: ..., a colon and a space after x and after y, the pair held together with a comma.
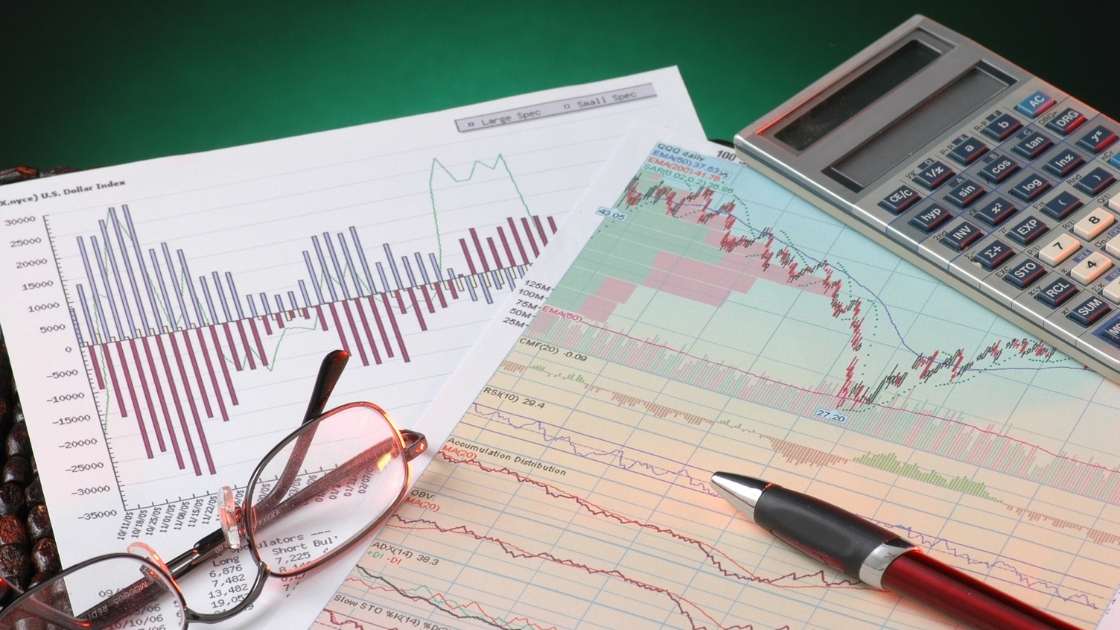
x: 87, y: 85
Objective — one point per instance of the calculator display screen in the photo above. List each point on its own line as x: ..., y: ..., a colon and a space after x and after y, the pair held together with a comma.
x: 928, y: 120
x: 857, y: 94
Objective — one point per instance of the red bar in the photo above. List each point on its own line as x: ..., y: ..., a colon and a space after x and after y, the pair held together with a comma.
x: 552, y: 223
x: 245, y: 342
x: 280, y: 319
x: 369, y: 335
x: 306, y: 315
x: 439, y: 294
x: 354, y: 331
x: 532, y: 241
x: 147, y: 395
x: 96, y: 367
x: 517, y: 240
x: 322, y: 318
x: 467, y: 255
x: 210, y: 370
x: 113, y: 378
x: 451, y: 287
x: 338, y: 327
x: 416, y: 309
x: 380, y: 326
x: 257, y: 338
x: 505, y: 246
x: 267, y: 326
x: 232, y: 347
x: 162, y: 403
x: 178, y: 406
x: 427, y: 298
x: 197, y: 374
x: 400, y: 302
x: 540, y: 230
x: 396, y: 330
x: 494, y: 252
x: 478, y: 248
x: 132, y: 397
x: 189, y: 394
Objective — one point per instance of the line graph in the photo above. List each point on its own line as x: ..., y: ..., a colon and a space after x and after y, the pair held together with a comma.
x: 715, y: 322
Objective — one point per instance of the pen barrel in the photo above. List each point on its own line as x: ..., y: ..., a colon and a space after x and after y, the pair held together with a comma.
x: 918, y: 576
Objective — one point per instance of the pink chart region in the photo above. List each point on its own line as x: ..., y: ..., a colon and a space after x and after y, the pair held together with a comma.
x: 165, y: 340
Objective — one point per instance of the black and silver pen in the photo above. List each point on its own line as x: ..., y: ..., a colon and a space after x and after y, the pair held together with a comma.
x: 877, y: 556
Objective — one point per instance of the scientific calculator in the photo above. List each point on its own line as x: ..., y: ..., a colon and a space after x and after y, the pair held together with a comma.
x: 973, y: 169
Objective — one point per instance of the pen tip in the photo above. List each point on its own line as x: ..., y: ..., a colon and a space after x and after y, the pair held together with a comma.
x: 743, y: 492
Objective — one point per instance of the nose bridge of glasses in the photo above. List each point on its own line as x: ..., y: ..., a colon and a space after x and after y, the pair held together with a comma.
x: 415, y: 443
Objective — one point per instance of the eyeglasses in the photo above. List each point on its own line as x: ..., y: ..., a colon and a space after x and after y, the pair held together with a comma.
x: 316, y: 493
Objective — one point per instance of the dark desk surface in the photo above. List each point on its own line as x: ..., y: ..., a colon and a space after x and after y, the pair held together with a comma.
x: 88, y: 86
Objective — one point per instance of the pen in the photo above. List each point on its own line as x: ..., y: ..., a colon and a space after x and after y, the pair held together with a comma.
x: 876, y: 556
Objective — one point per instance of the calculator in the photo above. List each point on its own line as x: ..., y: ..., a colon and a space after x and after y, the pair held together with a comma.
x: 973, y: 169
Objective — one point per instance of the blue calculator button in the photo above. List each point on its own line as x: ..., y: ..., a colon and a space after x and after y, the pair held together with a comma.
x: 1065, y: 162
x: 1035, y: 104
x: 1033, y: 145
x: 1111, y: 331
x: 962, y: 236
x: 965, y: 193
x: 1097, y: 140
x: 1056, y: 293
x: 996, y: 212
x: 1095, y: 181
x: 1115, y: 160
x: 1062, y: 205
x: 1068, y: 120
x: 1088, y: 312
x: 998, y: 169
x: 994, y: 255
x: 902, y: 198
x: 968, y: 150
x: 927, y: 220
x: 1025, y: 273
x: 1004, y: 125
x: 1030, y: 188
x: 933, y: 174
x: 1028, y: 231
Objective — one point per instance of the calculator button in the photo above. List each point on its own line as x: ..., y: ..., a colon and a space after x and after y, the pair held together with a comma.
x: 1028, y: 231
x: 1112, y: 291
x: 1065, y: 122
x: 1097, y: 140
x: 1025, y: 273
x: 1095, y: 181
x: 1094, y: 223
x: 1114, y: 203
x: 1064, y: 163
x: 999, y: 169
x: 1088, y: 312
x: 994, y: 255
x: 1033, y: 145
x: 1056, y: 293
x: 1030, y: 188
x: 1115, y: 160
x: 1035, y: 104
x: 902, y: 198
x: 1001, y: 127
x: 962, y: 236
x: 968, y: 150
x: 1062, y: 205
x: 967, y: 192
x: 996, y: 212
x: 928, y: 220
x: 1113, y: 246
x: 1088, y: 270
x: 1111, y: 331
x: 934, y: 174
x: 1059, y: 249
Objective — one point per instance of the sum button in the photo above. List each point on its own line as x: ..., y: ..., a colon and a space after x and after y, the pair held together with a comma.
x: 994, y: 255
x: 1088, y: 312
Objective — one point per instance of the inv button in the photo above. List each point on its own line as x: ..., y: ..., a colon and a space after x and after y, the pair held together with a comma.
x: 962, y: 236
x: 927, y: 220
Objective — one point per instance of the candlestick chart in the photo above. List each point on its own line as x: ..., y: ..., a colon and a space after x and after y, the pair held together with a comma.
x: 714, y: 321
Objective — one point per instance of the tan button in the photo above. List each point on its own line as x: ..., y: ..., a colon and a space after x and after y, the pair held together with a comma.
x: 1091, y: 268
x: 1059, y: 249
x: 1112, y: 291
x: 1094, y: 223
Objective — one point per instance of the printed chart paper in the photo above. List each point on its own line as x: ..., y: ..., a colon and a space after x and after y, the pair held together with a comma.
x: 166, y: 319
x: 711, y: 320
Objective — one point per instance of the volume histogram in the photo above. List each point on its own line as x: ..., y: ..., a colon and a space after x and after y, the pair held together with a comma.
x: 714, y: 321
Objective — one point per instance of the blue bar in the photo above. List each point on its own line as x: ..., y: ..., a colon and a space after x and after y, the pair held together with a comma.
x: 128, y: 269
x: 109, y: 253
x: 341, y: 277
x: 314, y: 281
x: 107, y: 285
x: 323, y: 264
x: 362, y: 258
x: 178, y: 288
x: 392, y: 265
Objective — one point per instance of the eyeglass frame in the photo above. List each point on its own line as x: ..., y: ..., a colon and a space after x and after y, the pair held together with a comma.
x: 411, y: 444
